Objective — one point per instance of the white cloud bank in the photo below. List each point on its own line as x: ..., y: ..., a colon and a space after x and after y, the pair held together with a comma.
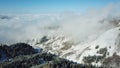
x: 81, y: 27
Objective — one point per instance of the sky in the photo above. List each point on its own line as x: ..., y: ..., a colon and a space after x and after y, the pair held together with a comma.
x: 50, y: 6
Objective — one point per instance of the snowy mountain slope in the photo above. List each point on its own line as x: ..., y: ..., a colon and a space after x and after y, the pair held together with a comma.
x: 67, y: 48
x: 107, y: 40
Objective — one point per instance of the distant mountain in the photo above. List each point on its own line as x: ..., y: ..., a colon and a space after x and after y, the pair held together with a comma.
x: 4, y: 17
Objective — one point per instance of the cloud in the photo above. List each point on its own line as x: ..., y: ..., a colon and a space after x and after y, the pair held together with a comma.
x: 90, y: 25
x: 81, y: 27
